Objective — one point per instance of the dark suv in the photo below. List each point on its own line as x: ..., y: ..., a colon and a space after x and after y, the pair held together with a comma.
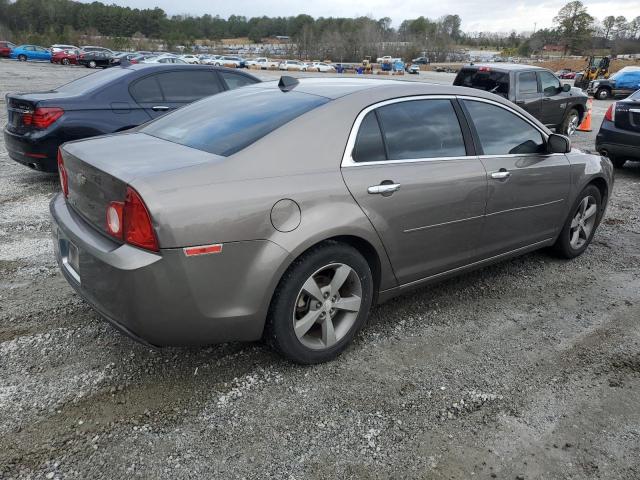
x: 104, y: 102
x: 537, y: 90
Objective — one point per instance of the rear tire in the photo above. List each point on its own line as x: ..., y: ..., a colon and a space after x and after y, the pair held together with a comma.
x: 92, y: 64
x: 320, y: 304
x: 602, y: 94
x: 581, y: 225
x: 22, y: 58
x: 65, y: 61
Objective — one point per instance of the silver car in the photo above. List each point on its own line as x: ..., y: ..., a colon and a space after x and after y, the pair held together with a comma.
x: 284, y: 211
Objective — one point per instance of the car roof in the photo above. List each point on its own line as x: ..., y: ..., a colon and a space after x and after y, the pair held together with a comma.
x: 179, y: 66
x: 505, y: 66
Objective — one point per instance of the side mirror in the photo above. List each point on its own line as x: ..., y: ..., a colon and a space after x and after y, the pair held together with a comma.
x: 558, y: 144
x: 566, y: 87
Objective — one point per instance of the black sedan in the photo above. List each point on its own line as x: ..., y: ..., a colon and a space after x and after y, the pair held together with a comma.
x: 619, y: 135
x: 105, y: 102
x: 92, y: 59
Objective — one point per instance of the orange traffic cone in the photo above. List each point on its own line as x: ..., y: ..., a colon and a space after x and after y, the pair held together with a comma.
x: 585, y: 126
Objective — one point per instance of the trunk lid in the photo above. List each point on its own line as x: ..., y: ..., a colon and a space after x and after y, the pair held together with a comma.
x: 99, y: 169
x: 21, y: 107
x: 628, y: 115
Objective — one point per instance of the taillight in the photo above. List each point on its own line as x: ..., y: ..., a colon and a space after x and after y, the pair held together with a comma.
x: 42, y: 117
x: 611, y: 112
x: 62, y: 173
x: 138, y: 229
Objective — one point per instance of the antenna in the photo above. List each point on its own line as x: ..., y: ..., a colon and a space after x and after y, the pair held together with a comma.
x: 286, y: 84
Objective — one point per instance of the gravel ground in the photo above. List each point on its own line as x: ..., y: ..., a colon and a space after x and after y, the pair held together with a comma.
x: 529, y: 369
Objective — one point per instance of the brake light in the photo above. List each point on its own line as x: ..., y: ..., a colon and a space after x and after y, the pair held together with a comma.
x: 484, y: 69
x: 611, y: 112
x: 42, y: 117
x: 138, y: 229
x: 62, y: 173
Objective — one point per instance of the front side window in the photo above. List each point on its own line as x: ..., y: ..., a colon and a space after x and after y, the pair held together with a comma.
x: 550, y: 83
x: 226, y: 123
x: 502, y: 132
x: 527, y: 82
x: 421, y: 129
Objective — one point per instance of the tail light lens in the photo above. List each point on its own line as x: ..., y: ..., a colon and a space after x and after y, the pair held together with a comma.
x: 42, y: 117
x: 62, y: 172
x: 611, y: 112
x: 130, y: 221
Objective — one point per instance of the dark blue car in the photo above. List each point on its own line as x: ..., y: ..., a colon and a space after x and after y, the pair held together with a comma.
x: 30, y: 52
x: 105, y: 102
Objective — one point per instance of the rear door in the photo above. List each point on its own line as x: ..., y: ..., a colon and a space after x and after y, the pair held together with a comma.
x: 412, y: 173
x: 528, y: 188
x: 528, y: 95
x: 554, y: 100
x: 163, y: 92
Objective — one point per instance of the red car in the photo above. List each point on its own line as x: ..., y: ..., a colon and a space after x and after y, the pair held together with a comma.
x: 65, y: 57
x: 5, y: 48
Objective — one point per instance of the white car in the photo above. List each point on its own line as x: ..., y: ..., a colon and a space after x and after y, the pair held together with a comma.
x: 321, y: 67
x: 57, y: 47
x: 293, y: 65
x: 263, y: 62
x: 165, y: 59
x: 189, y: 59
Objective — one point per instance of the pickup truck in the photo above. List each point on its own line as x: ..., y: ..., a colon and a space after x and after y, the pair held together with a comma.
x: 263, y: 62
x: 535, y: 89
x: 619, y: 85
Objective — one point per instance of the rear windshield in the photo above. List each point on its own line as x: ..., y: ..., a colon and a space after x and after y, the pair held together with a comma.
x: 93, y: 81
x: 487, y: 80
x: 226, y: 123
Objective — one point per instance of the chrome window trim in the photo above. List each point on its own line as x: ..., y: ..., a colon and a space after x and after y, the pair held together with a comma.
x: 347, y: 159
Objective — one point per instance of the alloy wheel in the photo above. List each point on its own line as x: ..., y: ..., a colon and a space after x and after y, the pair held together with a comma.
x: 327, y: 306
x: 572, y: 126
x: 583, y: 222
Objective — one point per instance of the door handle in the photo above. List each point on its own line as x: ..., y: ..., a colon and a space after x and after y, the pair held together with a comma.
x: 385, y: 188
x: 160, y: 108
x: 501, y: 174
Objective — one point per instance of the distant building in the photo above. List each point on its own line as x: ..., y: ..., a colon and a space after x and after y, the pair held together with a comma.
x: 553, y: 48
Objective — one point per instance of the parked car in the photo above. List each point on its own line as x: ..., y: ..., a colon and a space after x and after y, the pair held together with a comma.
x: 94, y: 59
x: 216, y: 231
x: 65, y: 57
x: 413, y: 69
x: 123, y: 58
x: 619, y: 134
x: 565, y: 73
x: 619, y: 85
x: 421, y: 61
x: 30, y: 52
x: 263, y: 62
x: 105, y: 102
x: 321, y: 67
x: 192, y: 59
x: 92, y: 48
x: 5, y: 48
x: 293, y: 65
x: 229, y: 60
x: 535, y: 89
x: 59, y: 47
x: 171, y: 59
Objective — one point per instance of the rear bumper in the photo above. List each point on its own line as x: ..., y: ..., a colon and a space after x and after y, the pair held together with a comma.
x: 38, y: 150
x: 167, y: 298
x: 618, y: 142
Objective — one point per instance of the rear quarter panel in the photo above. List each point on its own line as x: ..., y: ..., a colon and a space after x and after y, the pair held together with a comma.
x: 586, y: 168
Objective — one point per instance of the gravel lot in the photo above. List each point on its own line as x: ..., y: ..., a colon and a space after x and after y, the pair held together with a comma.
x: 526, y: 370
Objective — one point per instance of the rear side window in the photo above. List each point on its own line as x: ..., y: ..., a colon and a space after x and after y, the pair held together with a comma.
x: 93, y: 81
x: 502, y: 132
x: 233, y: 80
x: 369, y: 146
x: 188, y: 86
x: 225, y: 124
x: 421, y: 129
x: 146, y: 90
x: 487, y: 80
x: 527, y: 82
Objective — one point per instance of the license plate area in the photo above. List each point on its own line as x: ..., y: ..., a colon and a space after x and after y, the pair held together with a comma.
x: 70, y: 257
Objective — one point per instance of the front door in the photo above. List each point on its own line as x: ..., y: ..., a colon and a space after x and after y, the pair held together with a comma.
x: 554, y: 100
x: 410, y: 174
x: 528, y: 188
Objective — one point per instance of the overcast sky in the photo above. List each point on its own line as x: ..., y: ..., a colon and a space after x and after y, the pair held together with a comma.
x: 487, y: 15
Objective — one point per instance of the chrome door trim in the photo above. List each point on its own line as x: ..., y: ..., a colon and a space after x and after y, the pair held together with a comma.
x: 435, y: 225
x: 526, y: 207
x: 347, y: 160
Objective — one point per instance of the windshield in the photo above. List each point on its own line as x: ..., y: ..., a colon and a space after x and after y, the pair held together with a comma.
x: 93, y: 81
x: 228, y: 122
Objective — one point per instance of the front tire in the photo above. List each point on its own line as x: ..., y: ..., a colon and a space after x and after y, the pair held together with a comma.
x: 320, y: 304
x: 602, y: 93
x: 570, y: 123
x: 65, y: 61
x: 578, y: 230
